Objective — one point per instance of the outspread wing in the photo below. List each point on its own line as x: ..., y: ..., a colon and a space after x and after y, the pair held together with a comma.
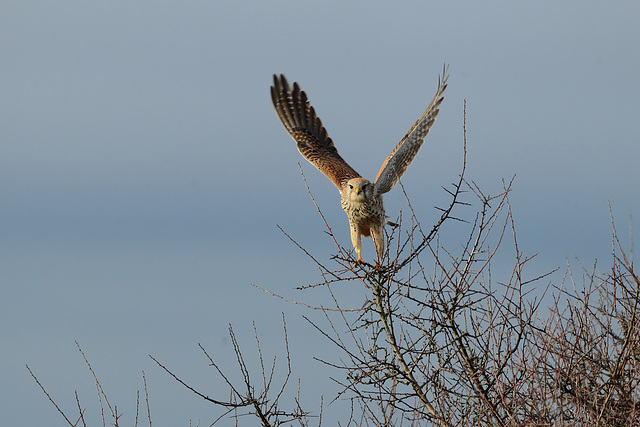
x: 406, y: 150
x: 300, y: 120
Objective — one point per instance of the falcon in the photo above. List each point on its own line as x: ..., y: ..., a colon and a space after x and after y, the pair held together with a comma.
x: 360, y: 198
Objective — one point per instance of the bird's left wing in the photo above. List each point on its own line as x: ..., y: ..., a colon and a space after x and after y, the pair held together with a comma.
x: 404, y: 153
x: 300, y: 120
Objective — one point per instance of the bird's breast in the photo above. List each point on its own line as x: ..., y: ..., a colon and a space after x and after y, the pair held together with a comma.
x: 365, y: 213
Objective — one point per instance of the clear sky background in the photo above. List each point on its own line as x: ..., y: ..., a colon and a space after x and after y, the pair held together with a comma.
x: 143, y: 170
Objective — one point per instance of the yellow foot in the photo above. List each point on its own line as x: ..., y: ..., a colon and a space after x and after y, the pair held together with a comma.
x: 358, y: 261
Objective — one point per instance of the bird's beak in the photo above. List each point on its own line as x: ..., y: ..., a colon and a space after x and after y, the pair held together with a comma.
x: 357, y: 190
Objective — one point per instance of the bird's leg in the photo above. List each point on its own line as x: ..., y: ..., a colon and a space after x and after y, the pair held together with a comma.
x: 377, y: 235
x: 356, y: 240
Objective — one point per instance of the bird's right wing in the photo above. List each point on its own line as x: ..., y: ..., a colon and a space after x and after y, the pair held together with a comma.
x: 300, y: 120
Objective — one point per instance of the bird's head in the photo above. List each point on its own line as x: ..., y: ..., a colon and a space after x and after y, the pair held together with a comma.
x: 359, y: 189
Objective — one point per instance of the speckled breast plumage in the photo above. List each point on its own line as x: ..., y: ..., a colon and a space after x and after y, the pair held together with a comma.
x: 367, y: 214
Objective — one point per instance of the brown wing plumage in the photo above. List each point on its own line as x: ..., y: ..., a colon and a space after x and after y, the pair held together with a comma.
x: 300, y: 120
x: 404, y: 153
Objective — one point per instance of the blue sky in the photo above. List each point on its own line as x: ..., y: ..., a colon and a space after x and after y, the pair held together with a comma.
x: 143, y: 170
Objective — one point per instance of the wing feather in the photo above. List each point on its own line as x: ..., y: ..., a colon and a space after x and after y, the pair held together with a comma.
x: 300, y: 120
x: 404, y: 153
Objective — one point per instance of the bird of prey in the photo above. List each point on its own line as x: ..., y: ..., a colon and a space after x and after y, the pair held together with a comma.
x: 360, y: 198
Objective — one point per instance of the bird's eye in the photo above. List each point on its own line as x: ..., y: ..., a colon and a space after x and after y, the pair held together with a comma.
x: 351, y: 186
